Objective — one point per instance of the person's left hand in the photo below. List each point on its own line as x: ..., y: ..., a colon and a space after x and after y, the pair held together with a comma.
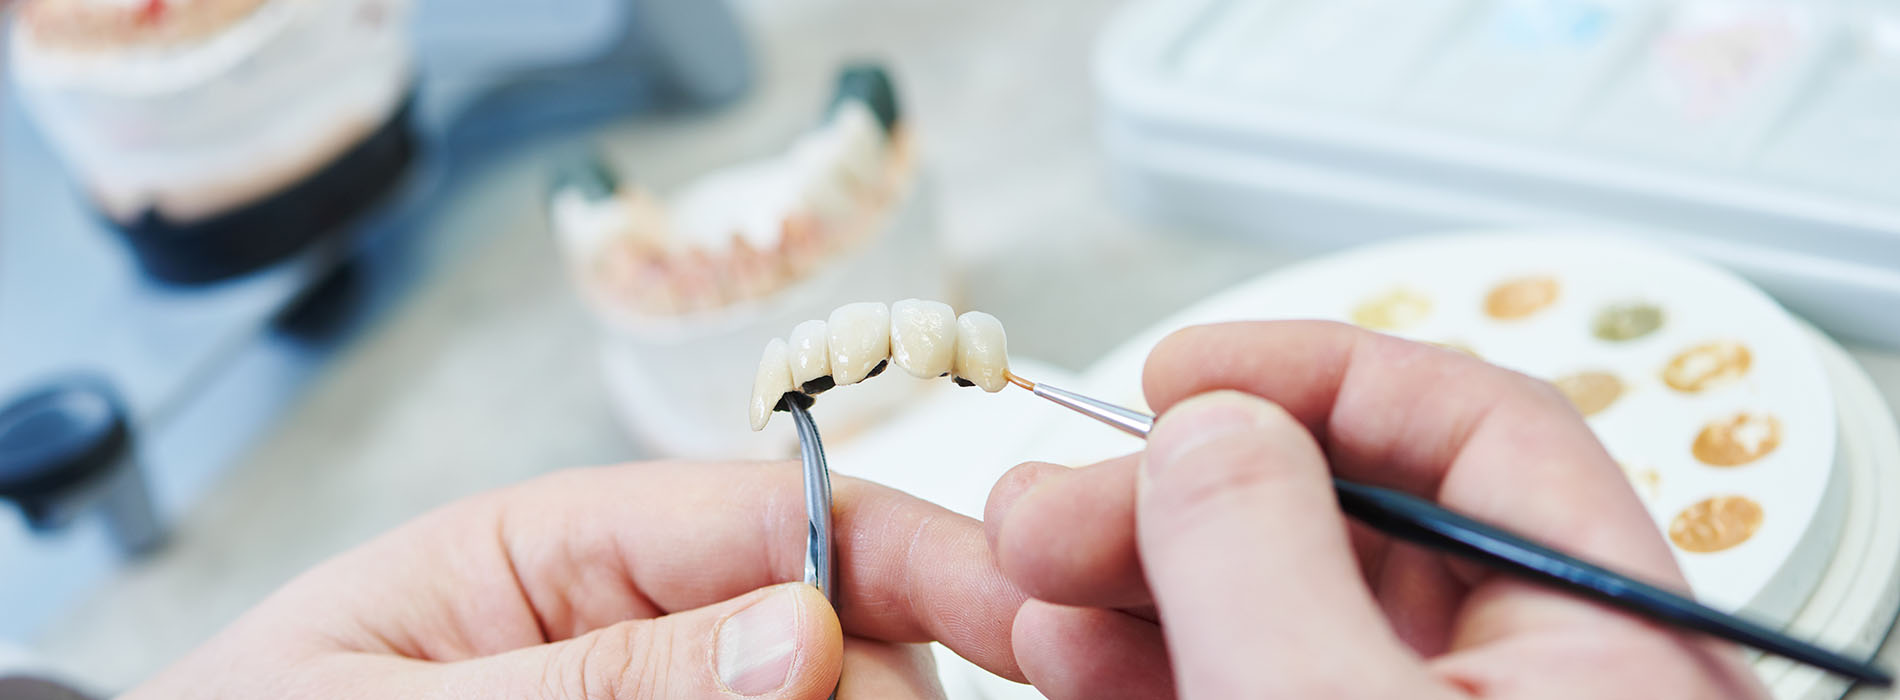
x: 645, y: 581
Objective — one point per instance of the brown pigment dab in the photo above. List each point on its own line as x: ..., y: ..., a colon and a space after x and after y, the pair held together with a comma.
x: 1708, y: 365
x: 1395, y: 309
x: 1521, y: 298
x: 1716, y: 524
x: 1737, y: 440
x: 1591, y: 392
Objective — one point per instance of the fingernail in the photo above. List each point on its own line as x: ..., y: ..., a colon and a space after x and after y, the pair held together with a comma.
x: 1198, y: 421
x: 757, y: 644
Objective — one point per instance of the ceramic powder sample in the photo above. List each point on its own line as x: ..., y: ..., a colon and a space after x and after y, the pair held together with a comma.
x: 1396, y: 309
x: 1716, y: 524
x: 1521, y: 298
x: 1708, y: 365
x: 1625, y: 322
x: 1737, y: 440
x: 1591, y: 392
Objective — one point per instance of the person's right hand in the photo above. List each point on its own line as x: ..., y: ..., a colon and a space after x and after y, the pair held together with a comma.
x: 1216, y: 564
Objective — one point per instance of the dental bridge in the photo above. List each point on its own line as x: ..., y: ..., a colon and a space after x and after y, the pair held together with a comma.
x: 926, y: 339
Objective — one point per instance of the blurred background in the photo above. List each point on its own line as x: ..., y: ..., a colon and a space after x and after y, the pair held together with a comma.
x: 274, y: 279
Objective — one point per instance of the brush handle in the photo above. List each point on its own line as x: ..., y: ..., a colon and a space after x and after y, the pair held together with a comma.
x: 1428, y: 524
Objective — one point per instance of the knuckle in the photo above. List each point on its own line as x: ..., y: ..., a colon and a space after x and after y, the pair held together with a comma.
x: 1220, y: 474
x: 624, y: 661
x: 569, y: 673
x: 646, y: 666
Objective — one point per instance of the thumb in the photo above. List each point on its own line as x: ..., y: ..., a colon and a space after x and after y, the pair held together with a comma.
x: 1248, y: 558
x: 781, y: 643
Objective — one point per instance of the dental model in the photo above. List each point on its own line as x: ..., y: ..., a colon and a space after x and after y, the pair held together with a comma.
x: 743, y: 232
x: 926, y: 339
x: 219, y: 134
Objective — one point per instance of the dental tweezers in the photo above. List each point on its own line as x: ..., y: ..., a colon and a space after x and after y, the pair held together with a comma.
x: 1416, y: 520
x: 811, y: 450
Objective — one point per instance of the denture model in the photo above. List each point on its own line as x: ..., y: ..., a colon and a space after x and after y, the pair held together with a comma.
x: 743, y: 232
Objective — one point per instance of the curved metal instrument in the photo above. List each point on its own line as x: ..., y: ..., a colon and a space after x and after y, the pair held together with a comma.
x: 818, y: 571
x: 818, y: 568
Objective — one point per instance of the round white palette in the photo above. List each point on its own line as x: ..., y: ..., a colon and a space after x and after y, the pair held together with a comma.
x: 1651, y: 427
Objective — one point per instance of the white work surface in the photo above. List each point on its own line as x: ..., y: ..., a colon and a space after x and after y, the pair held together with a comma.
x: 487, y: 375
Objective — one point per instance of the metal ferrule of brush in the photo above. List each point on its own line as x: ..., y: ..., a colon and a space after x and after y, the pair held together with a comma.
x: 1126, y: 420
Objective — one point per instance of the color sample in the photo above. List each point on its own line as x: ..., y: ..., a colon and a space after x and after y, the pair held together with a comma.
x: 1592, y: 392
x: 1628, y: 321
x: 1737, y: 440
x: 1708, y: 365
x: 1396, y: 309
x: 1716, y: 524
x: 1521, y: 298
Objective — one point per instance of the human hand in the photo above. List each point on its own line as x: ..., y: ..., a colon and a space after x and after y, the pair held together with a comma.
x: 644, y: 581
x: 1217, y: 564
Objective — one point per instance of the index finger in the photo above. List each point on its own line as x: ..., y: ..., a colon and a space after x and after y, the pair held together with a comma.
x: 1493, y: 443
